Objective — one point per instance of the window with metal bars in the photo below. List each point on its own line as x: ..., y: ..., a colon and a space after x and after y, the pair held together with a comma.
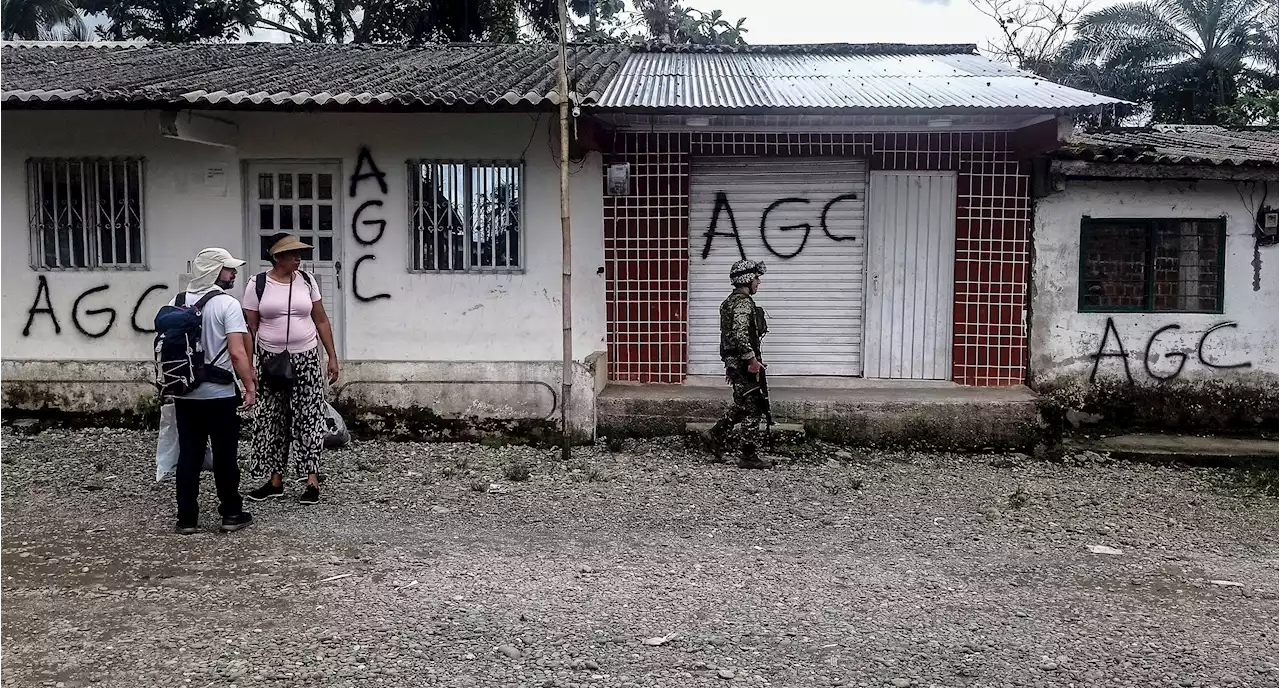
x: 466, y: 216
x: 1152, y: 265
x: 86, y: 214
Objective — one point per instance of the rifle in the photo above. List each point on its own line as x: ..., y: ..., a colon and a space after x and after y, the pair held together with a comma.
x: 764, y: 403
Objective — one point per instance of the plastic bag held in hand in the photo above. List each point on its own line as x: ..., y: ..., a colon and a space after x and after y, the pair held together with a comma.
x: 167, y: 446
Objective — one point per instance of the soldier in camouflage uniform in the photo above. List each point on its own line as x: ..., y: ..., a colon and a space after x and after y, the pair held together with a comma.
x: 742, y: 326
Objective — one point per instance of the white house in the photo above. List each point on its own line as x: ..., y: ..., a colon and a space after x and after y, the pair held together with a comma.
x: 1156, y: 266
x: 378, y: 156
x: 887, y: 185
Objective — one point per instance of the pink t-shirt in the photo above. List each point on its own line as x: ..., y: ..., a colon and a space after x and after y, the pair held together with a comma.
x: 275, y: 313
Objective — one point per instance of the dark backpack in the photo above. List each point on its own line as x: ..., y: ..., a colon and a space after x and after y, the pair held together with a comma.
x: 181, y: 363
x: 260, y: 282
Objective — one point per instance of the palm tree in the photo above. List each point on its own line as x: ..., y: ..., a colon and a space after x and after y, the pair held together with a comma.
x: 1190, y: 58
x: 36, y: 20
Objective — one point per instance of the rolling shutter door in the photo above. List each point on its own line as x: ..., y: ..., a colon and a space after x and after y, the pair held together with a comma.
x: 813, y: 290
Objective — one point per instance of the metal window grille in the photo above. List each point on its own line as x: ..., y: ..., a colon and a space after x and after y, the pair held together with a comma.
x: 1169, y: 265
x: 466, y: 216
x: 86, y: 214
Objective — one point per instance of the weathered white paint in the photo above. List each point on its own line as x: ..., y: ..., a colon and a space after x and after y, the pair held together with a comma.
x: 813, y: 297
x: 1064, y: 341
x: 195, y: 197
x: 911, y: 260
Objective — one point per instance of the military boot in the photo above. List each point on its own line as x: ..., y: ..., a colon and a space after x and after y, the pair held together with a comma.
x: 714, y: 439
x: 751, y: 460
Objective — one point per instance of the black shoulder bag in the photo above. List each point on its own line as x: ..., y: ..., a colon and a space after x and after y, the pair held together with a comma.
x: 277, y: 369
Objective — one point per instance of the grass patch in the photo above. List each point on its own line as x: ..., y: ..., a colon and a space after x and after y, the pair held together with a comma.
x: 516, y: 472
x: 1019, y: 498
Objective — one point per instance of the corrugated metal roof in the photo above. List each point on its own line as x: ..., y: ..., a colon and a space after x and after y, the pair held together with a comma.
x: 1180, y: 144
x: 284, y: 74
x: 845, y: 77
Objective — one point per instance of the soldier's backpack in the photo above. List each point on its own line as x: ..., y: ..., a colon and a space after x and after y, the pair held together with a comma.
x: 181, y: 363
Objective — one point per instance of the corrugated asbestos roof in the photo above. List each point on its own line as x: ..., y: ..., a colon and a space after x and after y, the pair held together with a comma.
x: 844, y: 77
x: 818, y: 78
x: 1175, y: 144
x: 285, y: 74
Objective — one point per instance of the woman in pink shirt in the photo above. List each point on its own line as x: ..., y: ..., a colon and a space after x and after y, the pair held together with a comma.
x: 287, y: 321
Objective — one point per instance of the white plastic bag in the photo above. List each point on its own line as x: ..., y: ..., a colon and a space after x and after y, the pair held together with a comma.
x: 335, y: 429
x: 167, y: 446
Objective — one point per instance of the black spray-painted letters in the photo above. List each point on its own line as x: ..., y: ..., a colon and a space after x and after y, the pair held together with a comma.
x: 1119, y: 352
x: 81, y: 311
x: 722, y: 206
x: 365, y: 159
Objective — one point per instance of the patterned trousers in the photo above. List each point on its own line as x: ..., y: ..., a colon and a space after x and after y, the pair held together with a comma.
x: 289, y: 423
x: 743, y: 425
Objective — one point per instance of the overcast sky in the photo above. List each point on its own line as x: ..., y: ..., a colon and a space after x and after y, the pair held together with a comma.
x: 857, y: 21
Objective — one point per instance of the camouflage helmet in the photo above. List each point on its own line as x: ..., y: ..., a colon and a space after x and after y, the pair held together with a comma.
x: 744, y: 271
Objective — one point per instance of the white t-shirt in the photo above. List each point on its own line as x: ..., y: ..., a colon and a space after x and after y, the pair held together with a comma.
x: 222, y: 316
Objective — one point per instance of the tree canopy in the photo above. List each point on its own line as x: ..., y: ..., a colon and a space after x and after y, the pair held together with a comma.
x: 1181, y: 61
x: 40, y: 19
x: 368, y: 21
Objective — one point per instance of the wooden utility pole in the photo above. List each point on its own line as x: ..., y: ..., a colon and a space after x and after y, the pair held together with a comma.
x: 566, y: 245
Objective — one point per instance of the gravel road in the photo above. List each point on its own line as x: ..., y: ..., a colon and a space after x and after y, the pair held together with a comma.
x: 425, y: 565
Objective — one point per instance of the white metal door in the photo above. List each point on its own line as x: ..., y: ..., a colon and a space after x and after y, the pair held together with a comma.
x: 806, y: 218
x: 302, y: 199
x: 910, y: 275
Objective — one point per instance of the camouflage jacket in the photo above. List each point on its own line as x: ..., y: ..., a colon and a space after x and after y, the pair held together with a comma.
x: 740, y: 328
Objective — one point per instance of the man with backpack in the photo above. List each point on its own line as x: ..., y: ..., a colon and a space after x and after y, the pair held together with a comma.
x: 201, y: 338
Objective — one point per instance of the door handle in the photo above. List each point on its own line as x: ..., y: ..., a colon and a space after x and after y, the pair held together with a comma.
x: 875, y: 284
x: 337, y: 271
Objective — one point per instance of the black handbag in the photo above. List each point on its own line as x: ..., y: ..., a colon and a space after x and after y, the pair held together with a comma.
x: 277, y: 369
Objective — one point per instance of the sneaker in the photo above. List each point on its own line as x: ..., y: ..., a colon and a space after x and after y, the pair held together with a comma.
x: 231, y: 524
x: 311, y: 495
x: 186, y: 529
x: 267, y: 491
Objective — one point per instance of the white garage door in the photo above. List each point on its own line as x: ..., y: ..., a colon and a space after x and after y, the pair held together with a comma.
x: 806, y: 218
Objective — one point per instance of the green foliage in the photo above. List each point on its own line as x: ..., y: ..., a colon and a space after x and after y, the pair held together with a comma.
x: 41, y: 20
x: 1181, y: 61
x: 659, y: 20
x: 174, y: 21
x: 1254, y: 107
x: 369, y: 21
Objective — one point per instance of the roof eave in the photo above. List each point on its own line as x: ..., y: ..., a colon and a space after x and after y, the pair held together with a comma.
x: 953, y: 110
x: 460, y: 106
x: 1082, y: 169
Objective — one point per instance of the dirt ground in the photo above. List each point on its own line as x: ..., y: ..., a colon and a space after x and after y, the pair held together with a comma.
x: 428, y: 565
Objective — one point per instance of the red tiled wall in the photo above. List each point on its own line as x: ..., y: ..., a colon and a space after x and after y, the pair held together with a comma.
x: 646, y: 242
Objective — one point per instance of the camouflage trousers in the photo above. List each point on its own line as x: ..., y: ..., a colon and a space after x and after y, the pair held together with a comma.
x: 743, y: 426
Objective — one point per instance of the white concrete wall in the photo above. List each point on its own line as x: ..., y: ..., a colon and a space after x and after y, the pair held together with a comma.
x: 429, y: 317
x: 1064, y: 341
x: 432, y: 317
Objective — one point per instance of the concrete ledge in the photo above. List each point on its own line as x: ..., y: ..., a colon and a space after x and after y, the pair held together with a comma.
x: 785, y: 433
x: 1190, y: 449
x: 936, y: 417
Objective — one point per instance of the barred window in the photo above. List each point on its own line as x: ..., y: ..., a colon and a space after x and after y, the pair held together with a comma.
x: 86, y: 213
x: 1168, y: 265
x: 466, y: 216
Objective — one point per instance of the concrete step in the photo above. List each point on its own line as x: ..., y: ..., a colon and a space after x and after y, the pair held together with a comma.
x: 1212, y: 451
x: 875, y: 415
x: 779, y: 433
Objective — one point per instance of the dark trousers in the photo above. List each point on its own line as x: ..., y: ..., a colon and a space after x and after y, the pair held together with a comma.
x: 201, y: 422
